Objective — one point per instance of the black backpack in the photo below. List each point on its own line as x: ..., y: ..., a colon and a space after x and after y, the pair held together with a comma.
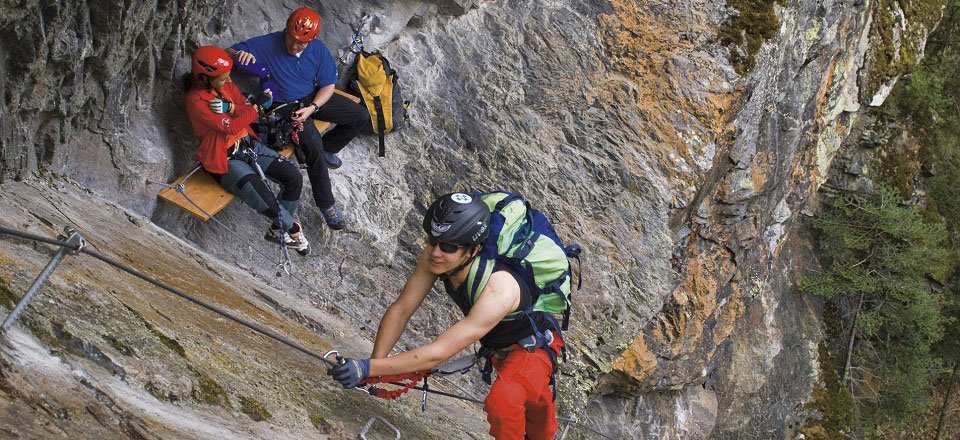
x: 275, y: 128
x: 371, y: 78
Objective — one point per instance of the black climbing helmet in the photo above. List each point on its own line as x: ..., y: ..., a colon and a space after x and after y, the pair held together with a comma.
x: 457, y: 218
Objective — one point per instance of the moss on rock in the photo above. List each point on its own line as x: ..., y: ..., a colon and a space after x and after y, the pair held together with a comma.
x: 119, y: 345
x: 832, y: 402
x: 317, y: 420
x: 745, y: 31
x: 898, y: 35
x: 7, y: 298
x: 169, y: 342
x: 157, y: 391
x: 254, y: 409
x: 209, y: 391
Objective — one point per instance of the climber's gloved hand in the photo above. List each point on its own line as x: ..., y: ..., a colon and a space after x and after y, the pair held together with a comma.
x: 350, y: 372
x: 264, y: 99
x: 220, y: 106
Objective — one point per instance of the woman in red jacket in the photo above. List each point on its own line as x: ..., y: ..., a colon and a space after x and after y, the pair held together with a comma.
x: 230, y: 151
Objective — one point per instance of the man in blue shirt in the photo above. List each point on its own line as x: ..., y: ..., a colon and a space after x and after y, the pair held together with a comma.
x: 304, y: 70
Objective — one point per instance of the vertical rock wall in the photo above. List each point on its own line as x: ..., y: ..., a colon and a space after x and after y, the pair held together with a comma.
x: 734, y: 349
x: 85, y: 89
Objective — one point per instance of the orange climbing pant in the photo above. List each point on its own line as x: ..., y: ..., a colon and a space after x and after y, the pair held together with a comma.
x: 521, y: 401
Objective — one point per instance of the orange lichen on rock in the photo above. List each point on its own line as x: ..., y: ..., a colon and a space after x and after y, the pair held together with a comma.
x: 728, y: 314
x: 655, y: 53
x: 760, y: 171
x: 637, y: 361
x: 677, y: 332
x: 823, y: 93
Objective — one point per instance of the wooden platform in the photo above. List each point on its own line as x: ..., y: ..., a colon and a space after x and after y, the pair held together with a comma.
x: 206, y: 193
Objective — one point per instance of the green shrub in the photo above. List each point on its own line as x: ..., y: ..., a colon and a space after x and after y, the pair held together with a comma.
x: 880, y: 257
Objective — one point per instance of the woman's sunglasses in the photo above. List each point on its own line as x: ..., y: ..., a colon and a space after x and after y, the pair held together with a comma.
x: 447, y: 248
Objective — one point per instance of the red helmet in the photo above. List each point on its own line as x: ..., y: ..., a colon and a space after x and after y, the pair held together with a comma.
x: 303, y: 24
x: 211, y: 61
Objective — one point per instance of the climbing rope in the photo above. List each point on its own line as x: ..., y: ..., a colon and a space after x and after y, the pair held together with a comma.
x: 296, y: 127
x: 412, y: 380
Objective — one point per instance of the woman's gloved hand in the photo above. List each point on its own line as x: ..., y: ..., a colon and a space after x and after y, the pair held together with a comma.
x: 220, y: 106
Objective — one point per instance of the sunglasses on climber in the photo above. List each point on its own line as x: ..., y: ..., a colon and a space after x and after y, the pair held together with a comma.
x: 447, y: 248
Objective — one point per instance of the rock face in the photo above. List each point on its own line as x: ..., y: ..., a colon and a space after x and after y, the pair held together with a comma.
x: 622, y: 120
x: 123, y: 358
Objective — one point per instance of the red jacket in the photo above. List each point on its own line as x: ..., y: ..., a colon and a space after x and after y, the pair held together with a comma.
x: 217, y: 132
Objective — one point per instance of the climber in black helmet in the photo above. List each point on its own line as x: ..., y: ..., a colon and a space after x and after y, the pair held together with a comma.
x: 520, y: 401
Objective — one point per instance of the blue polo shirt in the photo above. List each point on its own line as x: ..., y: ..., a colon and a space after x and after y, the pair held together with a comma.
x: 296, y: 76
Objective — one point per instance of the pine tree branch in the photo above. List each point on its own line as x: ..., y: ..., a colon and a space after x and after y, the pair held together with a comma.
x: 946, y: 399
x: 853, y: 334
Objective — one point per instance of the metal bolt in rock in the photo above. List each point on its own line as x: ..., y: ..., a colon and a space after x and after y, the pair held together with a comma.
x: 77, y: 243
x: 363, y: 432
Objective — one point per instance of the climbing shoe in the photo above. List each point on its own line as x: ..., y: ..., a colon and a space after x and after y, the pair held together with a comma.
x: 333, y: 162
x: 298, y: 243
x: 333, y: 218
x: 296, y: 240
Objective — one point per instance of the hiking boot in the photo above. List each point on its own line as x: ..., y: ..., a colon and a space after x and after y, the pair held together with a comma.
x: 273, y: 234
x: 293, y: 239
x: 333, y: 218
x: 333, y: 162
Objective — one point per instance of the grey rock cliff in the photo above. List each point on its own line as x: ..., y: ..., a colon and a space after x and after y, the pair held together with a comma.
x: 624, y: 121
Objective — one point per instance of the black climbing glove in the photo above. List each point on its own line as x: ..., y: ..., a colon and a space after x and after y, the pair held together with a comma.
x: 350, y: 372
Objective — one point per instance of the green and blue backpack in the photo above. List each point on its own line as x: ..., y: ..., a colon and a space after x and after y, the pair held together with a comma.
x: 523, y: 239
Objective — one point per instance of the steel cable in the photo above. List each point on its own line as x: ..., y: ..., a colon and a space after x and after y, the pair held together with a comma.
x: 250, y: 325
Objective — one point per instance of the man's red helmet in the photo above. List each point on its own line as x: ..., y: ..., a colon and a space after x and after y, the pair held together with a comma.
x: 211, y: 61
x: 304, y: 24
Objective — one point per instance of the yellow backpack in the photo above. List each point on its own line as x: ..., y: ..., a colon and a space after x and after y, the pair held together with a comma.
x: 378, y: 85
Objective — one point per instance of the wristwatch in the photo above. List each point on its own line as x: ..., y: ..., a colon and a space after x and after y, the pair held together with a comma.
x: 314, y: 104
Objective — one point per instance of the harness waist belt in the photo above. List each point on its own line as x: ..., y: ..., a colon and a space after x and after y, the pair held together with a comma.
x: 529, y: 343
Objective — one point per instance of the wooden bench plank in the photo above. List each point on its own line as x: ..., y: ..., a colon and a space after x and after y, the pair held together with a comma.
x: 355, y: 99
x: 207, y: 193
